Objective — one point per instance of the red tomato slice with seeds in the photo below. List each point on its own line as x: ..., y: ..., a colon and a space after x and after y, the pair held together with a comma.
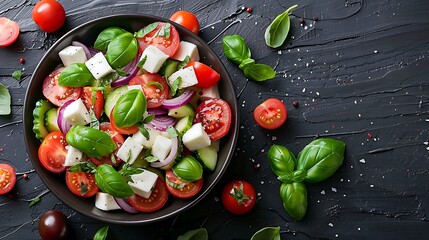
x: 52, y: 152
x: 156, y: 201
x: 93, y: 100
x: 7, y: 178
x: 81, y: 183
x: 167, y: 45
x: 215, y: 116
x: 56, y: 94
x: 9, y: 31
x: 180, y: 188
x: 154, y: 87
x: 270, y: 114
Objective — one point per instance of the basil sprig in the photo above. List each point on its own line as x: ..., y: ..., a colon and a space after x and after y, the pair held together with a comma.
x: 76, y: 75
x: 276, y: 33
x: 188, y: 169
x: 112, y: 182
x: 267, y: 233
x: 130, y: 108
x: 294, y: 198
x: 121, y: 50
x: 101, y: 234
x: 106, y: 36
x: 144, y: 31
x: 200, y: 234
x: 93, y: 142
x: 236, y: 49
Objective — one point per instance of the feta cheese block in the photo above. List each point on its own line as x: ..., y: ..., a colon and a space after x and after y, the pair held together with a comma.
x: 98, y: 66
x: 129, y: 151
x: 142, y: 140
x: 143, y: 183
x: 196, y: 138
x: 161, y: 147
x: 187, y: 75
x: 73, y: 157
x: 209, y: 93
x: 76, y: 113
x: 186, y: 49
x: 72, y: 54
x: 105, y: 202
x: 154, y: 59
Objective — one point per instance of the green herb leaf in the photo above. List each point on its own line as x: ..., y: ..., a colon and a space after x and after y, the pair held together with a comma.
x: 17, y: 74
x: 112, y: 182
x: 94, y: 121
x: 121, y: 50
x: 142, y: 61
x: 149, y: 28
x: 127, y: 170
x: 164, y: 31
x: 267, y: 233
x: 174, y: 86
x: 157, y: 84
x: 188, y: 169
x: 281, y: 160
x: 129, y: 108
x: 86, y: 167
x: 149, y: 118
x: 235, y: 48
x: 35, y: 201
x: 172, y: 132
x: 4, y: 100
x: 106, y: 36
x: 151, y: 159
x: 183, y: 63
x: 246, y: 63
x: 174, y: 185
x: 93, y: 142
x: 101, y: 234
x: 121, y: 72
x: 83, y: 188
x: 144, y: 131
x: 76, y: 75
x: 294, y: 198
x: 197, y: 234
x: 259, y: 72
x: 277, y: 31
x: 106, y: 80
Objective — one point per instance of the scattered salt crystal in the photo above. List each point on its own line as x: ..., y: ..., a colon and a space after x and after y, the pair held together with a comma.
x: 333, y: 189
x: 273, y: 138
x: 362, y: 160
x: 252, y: 137
x: 427, y: 148
x: 317, y: 93
x: 279, y: 52
x: 256, y: 23
x: 216, y: 199
x: 372, y: 185
x: 303, y: 90
x: 425, y: 143
x: 322, y: 192
x: 212, y: 27
x: 262, y: 182
x: 305, y: 28
x: 330, y: 224
x: 359, y: 115
x: 336, y: 235
x: 358, y: 228
x: 263, y: 150
x: 375, y: 51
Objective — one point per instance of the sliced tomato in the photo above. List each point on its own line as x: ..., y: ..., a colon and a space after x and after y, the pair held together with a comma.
x: 7, y: 178
x: 168, y: 45
x: 270, y: 114
x: 154, y: 86
x: 180, y: 188
x: 206, y: 76
x: 52, y: 152
x: 125, y: 130
x: 117, y: 138
x: 156, y: 201
x: 81, y: 183
x: 57, y: 94
x: 9, y: 31
x: 215, y: 116
x: 93, y: 100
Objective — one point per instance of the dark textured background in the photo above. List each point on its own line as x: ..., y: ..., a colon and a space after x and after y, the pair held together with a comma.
x: 360, y: 74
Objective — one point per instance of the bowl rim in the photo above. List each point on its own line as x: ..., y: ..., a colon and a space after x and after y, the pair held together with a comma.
x: 233, y: 130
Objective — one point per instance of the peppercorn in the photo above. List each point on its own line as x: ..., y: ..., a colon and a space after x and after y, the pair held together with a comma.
x: 295, y: 104
x: 22, y: 60
x: 249, y: 9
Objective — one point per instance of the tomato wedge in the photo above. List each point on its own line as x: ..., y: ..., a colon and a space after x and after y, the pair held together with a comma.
x: 207, y: 76
x: 156, y: 201
x: 57, y: 94
x: 180, y: 188
x: 93, y: 100
x: 7, y: 178
x: 117, y: 138
x: 168, y: 45
x: 52, y: 152
x: 125, y: 130
x: 154, y: 86
x: 270, y: 114
x: 9, y: 31
x: 215, y: 116
x: 81, y: 183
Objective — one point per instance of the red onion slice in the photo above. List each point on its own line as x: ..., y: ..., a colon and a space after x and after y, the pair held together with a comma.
x: 171, y: 156
x: 131, y: 69
x: 125, y: 206
x: 161, y: 122
x: 179, y: 101
x: 63, y: 124
x: 157, y: 111
x: 84, y: 47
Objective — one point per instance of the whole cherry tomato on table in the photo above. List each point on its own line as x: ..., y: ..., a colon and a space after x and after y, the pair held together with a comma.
x: 49, y: 15
x: 7, y: 178
x: 239, y: 197
x: 186, y: 19
x: 9, y: 31
x: 53, y: 224
x: 270, y: 114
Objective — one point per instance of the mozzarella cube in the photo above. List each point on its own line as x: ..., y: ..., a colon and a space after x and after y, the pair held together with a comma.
x: 196, y: 138
x: 142, y: 140
x: 161, y: 147
x: 154, y: 59
x: 73, y: 157
x: 187, y: 75
x: 105, y: 202
x: 76, y: 113
x: 187, y: 49
x: 143, y: 183
x: 98, y: 66
x: 209, y: 93
x: 72, y: 54
x: 129, y: 151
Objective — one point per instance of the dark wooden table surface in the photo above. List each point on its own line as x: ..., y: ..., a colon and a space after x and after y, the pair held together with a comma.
x: 360, y: 72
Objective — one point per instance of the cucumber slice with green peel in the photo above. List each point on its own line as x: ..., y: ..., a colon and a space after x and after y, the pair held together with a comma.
x: 169, y: 67
x: 184, y: 124
x: 39, y: 118
x: 112, y: 98
x: 207, y: 157
x: 183, y: 111
x: 51, y: 117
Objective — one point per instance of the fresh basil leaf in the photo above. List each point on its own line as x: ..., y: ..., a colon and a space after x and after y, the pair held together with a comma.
x: 259, y: 72
x: 76, y: 75
x: 4, y: 100
x: 173, y: 184
x: 93, y: 142
x: 174, y: 86
x: 151, y: 159
x: 172, y: 132
x: 106, y: 80
x: 157, y: 84
x: 281, y: 160
x: 83, y: 188
x: 183, y: 63
x: 122, y: 50
x: 106, y: 36
x: 235, y: 48
x: 294, y: 198
x: 86, y: 167
x: 188, y: 169
x: 246, y: 63
x: 164, y: 31
x: 197, y: 234
x: 101, y: 234
x: 17, y: 74
x: 267, y: 233
x: 149, y: 28
x: 149, y: 118
x: 129, y: 108
x: 277, y: 31
x: 121, y: 72
x: 113, y: 158
x: 144, y: 131
x: 128, y: 170
x: 142, y: 61
x: 94, y: 121
x: 112, y: 182
x: 35, y: 201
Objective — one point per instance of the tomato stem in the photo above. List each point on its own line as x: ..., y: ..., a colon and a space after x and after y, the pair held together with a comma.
x: 238, y: 194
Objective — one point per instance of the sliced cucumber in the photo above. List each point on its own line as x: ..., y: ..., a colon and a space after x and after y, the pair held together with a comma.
x: 207, y: 157
x: 169, y: 67
x: 184, y: 124
x: 51, y: 117
x: 183, y: 111
x: 39, y: 118
x: 112, y: 98
x: 141, y: 162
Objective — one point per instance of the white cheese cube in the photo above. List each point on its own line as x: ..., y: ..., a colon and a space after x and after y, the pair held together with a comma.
x: 215, y: 145
x: 129, y: 151
x: 105, y: 202
x: 143, y: 183
x: 209, y: 93
x: 154, y: 59
x: 73, y: 157
x: 142, y: 140
x: 72, y: 54
x: 76, y: 113
x: 187, y: 49
x: 98, y: 66
x: 161, y: 147
x: 187, y: 75
x: 196, y: 138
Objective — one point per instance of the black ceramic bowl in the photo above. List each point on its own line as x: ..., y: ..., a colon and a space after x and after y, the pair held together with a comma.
x: 87, y: 33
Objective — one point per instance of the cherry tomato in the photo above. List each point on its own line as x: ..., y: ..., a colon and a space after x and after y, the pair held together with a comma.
x: 117, y: 138
x: 81, y: 183
x: 215, y: 116
x: 186, y: 19
x: 270, y: 114
x: 207, y: 76
x: 7, y: 178
x: 186, y: 189
x: 238, y: 197
x: 93, y: 100
x: 53, y: 152
x: 169, y: 46
x: 49, y: 15
x: 53, y: 224
x: 9, y: 31
x: 56, y: 94
x: 154, y: 93
x: 156, y: 201
x: 125, y: 130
